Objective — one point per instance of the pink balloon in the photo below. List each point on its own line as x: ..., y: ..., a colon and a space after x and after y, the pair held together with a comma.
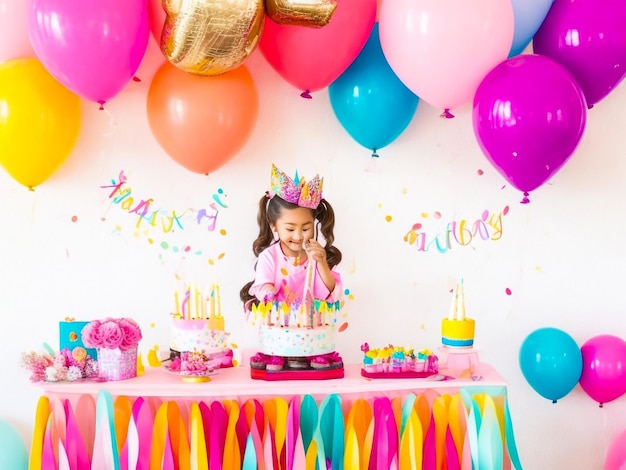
x: 312, y: 58
x: 442, y: 49
x: 604, y: 368
x: 587, y: 37
x: 92, y: 47
x: 616, y: 455
x: 529, y: 115
x: 15, y: 43
x: 157, y: 17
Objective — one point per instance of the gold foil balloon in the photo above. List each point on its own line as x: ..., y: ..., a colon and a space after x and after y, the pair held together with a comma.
x: 210, y: 37
x: 311, y: 13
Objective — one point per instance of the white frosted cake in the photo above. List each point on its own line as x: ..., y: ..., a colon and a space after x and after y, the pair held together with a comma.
x: 294, y: 341
x: 197, y: 335
x: 292, y: 331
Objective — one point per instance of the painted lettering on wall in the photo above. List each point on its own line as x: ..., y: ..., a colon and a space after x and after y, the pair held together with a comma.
x: 148, y: 216
x: 457, y: 233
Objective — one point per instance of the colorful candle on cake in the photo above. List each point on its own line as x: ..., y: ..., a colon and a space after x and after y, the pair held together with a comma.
x: 454, y: 304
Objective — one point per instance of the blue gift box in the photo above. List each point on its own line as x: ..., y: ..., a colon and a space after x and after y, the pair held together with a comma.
x: 70, y: 337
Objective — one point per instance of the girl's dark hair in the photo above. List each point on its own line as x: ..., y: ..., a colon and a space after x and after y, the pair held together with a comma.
x: 269, y: 212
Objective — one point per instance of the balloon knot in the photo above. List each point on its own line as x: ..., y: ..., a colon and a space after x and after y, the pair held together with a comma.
x: 30, y: 188
x: 306, y: 94
x: 374, y: 154
x: 601, y: 405
x: 446, y: 114
x: 136, y: 79
x: 589, y: 106
x: 525, y: 199
x: 101, y: 103
x: 553, y: 401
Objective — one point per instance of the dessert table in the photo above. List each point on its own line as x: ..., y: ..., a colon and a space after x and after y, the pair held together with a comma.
x: 157, y: 420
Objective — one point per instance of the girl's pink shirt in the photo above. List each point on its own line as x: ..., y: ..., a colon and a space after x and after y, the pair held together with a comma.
x: 278, y: 270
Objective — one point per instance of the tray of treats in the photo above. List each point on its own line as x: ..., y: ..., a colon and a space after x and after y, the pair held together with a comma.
x: 322, y: 367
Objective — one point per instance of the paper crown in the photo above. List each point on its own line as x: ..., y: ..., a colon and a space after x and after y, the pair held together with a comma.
x: 297, y: 190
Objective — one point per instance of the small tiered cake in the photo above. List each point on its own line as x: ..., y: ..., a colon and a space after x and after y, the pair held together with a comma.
x: 194, y: 329
x: 457, y: 331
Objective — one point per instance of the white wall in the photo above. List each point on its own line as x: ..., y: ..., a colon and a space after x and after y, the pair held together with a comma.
x: 562, y: 256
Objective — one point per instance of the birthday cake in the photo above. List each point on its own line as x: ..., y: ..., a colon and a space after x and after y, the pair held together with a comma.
x: 296, y: 338
x: 457, y: 331
x: 197, y: 333
x: 397, y: 362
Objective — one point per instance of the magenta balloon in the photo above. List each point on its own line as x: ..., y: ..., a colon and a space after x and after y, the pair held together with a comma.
x: 604, y: 368
x: 588, y: 38
x: 529, y: 115
x: 92, y: 47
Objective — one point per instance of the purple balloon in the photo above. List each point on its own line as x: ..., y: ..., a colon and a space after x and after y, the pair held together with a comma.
x: 604, y: 368
x: 587, y: 37
x: 529, y: 115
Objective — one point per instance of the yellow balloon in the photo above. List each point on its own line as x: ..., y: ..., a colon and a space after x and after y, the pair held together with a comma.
x: 39, y: 121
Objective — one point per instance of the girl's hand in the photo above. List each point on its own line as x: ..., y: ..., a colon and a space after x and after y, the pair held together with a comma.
x: 315, y: 251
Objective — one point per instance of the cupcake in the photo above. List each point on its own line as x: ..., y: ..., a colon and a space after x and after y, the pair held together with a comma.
x: 275, y: 363
x: 320, y: 363
x: 258, y: 361
x: 297, y: 363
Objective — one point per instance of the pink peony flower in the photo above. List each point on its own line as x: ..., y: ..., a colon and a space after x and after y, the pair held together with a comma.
x: 92, y: 335
x: 111, y: 335
x: 131, y: 334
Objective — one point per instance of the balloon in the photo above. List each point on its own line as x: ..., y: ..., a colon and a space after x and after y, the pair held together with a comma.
x: 442, y: 49
x: 13, y: 454
x: 15, y: 42
x: 551, y: 362
x: 528, y: 16
x: 156, y: 16
x: 370, y: 101
x: 39, y: 121
x: 202, y: 122
x: 93, y: 47
x: 616, y: 455
x: 587, y: 37
x: 604, y: 368
x: 211, y: 37
x: 296, y: 12
x: 312, y: 58
x: 529, y: 115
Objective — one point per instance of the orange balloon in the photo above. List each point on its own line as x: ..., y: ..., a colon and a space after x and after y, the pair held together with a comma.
x: 202, y: 122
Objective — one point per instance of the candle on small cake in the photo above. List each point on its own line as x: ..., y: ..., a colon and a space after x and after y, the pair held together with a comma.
x: 457, y: 331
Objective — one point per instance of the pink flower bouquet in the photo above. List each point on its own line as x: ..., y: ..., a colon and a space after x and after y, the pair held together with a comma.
x: 112, y: 333
x: 116, y: 340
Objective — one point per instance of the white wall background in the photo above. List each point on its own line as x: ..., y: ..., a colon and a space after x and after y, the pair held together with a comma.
x: 66, y: 250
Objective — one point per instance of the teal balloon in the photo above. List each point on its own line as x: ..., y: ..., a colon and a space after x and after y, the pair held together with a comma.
x: 13, y: 453
x: 369, y: 100
x: 528, y: 15
x: 551, y: 362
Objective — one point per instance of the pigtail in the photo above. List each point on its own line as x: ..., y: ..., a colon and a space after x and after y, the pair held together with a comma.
x: 326, y: 216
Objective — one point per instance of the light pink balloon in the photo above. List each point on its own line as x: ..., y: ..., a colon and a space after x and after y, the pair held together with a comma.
x: 616, y: 455
x: 442, y: 49
x: 92, y: 47
x: 312, y: 58
x: 15, y: 43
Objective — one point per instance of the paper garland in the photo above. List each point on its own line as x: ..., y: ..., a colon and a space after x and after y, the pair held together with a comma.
x: 463, y: 431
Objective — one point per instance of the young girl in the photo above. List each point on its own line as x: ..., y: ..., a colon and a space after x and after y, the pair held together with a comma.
x: 289, y: 218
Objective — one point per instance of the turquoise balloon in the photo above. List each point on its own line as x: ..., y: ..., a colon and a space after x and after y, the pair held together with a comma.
x: 528, y: 15
x: 370, y: 101
x: 551, y: 362
x: 13, y: 453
